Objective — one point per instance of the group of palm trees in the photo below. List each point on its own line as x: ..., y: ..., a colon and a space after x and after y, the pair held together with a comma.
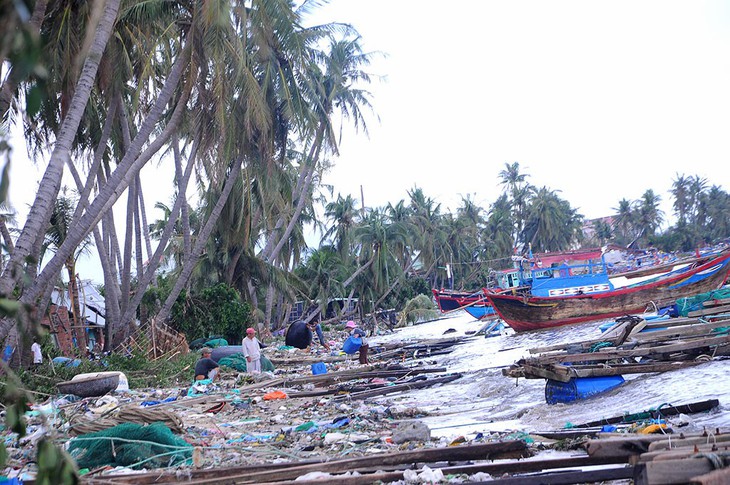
x: 245, y: 99
x: 241, y: 95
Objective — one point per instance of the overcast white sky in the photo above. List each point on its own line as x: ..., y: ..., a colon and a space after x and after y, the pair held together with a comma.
x: 600, y: 100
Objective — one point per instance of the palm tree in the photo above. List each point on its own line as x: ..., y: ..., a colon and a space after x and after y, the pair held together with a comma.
x: 519, y: 191
x: 682, y: 200
x: 60, y: 223
x: 342, y: 213
x: 331, y: 88
x: 625, y: 221
x: 650, y: 216
x: 50, y: 184
x: 552, y: 225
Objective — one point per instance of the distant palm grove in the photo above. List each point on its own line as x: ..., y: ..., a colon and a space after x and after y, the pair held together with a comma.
x: 247, y: 102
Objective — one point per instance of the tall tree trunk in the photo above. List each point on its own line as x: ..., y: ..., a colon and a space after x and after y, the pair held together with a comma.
x: 42, y: 207
x: 359, y: 271
x: 123, y: 175
x: 128, y: 240
x: 143, y: 219
x: 109, y: 228
x: 138, y: 244
x: 396, y: 282
x: 167, y: 232
x: 182, y: 192
x: 111, y: 283
x: 200, y: 242
x: 73, y: 293
x: 7, y: 239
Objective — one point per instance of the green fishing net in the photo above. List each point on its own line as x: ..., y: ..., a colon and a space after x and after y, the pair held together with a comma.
x: 694, y: 303
x: 132, y: 445
x: 238, y: 362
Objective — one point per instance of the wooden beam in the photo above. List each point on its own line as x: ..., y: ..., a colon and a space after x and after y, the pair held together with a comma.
x: 487, y: 451
x: 695, y: 407
x: 671, y: 472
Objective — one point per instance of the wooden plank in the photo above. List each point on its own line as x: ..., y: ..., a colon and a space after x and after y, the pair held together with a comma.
x: 680, y: 452
x: 569, y: 477
x: 671, y: 472
x: 387, y: 389
x: 625, y: 354
x: 623, y: 446
x: 682, y: 441
x: 709, y: 311
x: 557, y: 372
x: 695, y: 407
x: 487, y: 451
x: 716, y: 477
x: 697, y: 329
x: 620, y: 369
x: 521, y: 466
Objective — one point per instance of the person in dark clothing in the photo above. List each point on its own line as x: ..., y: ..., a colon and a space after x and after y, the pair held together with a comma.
x: 300, y: 334
x: 206, y: 368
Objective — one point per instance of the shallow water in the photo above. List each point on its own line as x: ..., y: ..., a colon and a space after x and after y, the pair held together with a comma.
x: 484, y: 400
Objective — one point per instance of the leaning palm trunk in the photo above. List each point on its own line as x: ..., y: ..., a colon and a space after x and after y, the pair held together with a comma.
x: 202, y: 239
x: 302, y: 189
x: 395, y: 283
x: 50, y: 184
x: 121, y: 178
x: 359, y: 270
x: 155, y: 259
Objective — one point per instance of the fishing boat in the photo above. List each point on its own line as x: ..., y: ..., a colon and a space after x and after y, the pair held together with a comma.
x: 481, y: 311
x: 449, y: 300
x: 90, y: 385
x: 526, y: 311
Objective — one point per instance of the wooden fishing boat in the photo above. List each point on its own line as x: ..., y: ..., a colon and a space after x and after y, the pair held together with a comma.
x: 527, y: 312
x: 481, y: 311
x: 448, y: 300
x: 91, y: 386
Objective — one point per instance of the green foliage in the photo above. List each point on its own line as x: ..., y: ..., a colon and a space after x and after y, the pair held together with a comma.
x: 54, y: 465
x: 418, y: 309
x: 217, y: 310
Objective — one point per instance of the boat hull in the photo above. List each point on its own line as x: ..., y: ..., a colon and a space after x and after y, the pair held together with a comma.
x: 525, y: 313
x: 449, y: 301
x: 481, y: 312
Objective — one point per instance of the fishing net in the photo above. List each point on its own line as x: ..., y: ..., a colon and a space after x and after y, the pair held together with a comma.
x: 694, y: 303
x: 238, y: 362
x: 131, y: 445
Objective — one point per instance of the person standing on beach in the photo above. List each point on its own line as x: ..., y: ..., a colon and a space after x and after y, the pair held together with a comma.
x: 357, y: 333
x: 252, y: 351
x: 37, y: 354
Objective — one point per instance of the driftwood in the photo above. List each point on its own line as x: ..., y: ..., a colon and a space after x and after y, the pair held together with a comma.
x: 385, y: 475
x: 488, y: 451
x: 696, y: 407
x: 388, y: 389
x: 665, y: 472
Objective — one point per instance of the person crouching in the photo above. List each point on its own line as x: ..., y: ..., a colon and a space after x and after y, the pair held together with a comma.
x: 357, y: 333
x: 206, y: 368
x: 252, y: 351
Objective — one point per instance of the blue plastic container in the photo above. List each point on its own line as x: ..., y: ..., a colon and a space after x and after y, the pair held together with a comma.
x: 579, y: 388
x: 319, y: 368
x: 352, y: 345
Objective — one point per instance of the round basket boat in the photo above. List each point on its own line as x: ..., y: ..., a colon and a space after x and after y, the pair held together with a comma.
x: 95, y: 385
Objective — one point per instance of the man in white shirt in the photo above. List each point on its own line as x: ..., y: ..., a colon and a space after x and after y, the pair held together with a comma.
x: 37, y: 355
x: 252, y: 351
